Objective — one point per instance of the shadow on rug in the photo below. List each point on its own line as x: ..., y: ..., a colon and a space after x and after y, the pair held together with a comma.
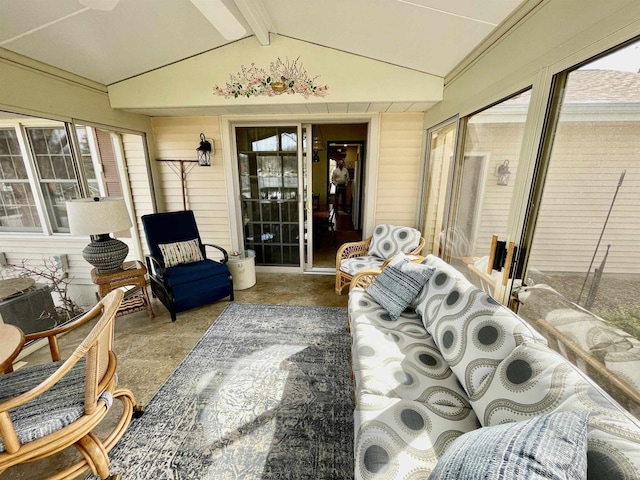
x: 264, y: 394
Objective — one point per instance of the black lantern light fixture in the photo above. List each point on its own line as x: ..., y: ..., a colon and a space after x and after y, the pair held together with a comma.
x: 204, y: 152
x: 503, y: 173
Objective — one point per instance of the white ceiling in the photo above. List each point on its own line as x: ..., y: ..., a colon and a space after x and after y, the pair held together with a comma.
x: 430, y: 36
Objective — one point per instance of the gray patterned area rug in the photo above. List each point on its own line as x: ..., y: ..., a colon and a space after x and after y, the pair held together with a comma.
x: 264, y: 394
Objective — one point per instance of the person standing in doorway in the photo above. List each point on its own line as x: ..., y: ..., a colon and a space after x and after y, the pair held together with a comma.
x: 340, y: 178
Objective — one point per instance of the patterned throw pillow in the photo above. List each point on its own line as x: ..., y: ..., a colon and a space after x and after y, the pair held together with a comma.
x: 181, y: 252
x: 547, y: 447
x: 398, y: 284
x: 387, y: 240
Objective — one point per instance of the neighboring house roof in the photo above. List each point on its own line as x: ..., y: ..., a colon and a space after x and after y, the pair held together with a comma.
x: 585, y: 87
x: 592, y: 86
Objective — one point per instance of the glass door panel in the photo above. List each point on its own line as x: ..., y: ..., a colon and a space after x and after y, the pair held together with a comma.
x: 268, y: 169
x: 442, y: 141
x: 483, y: 188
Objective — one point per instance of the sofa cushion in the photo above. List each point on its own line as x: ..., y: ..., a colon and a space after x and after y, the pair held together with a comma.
x: 365, y: 310
x: 405, y: 365
x: 354, y: 265
x: 534, y: 380
x: 475, y: 332
x: 442, y: 281
x: 398, y: 284
x: 397, y: 438
x: 550, y: 446
x: 49, y: 412
x: 387, y: 240
x: 196, y: 272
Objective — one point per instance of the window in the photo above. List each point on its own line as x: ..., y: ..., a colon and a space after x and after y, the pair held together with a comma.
x: 483, y: 188
x: 18, y: 209
x: 56, y: 172
x: 583, y: 271
x: 36, y: 183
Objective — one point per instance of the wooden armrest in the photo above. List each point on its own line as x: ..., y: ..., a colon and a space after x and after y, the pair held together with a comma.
x: 364, y: 278
x: 52, y: 334
x: 155, y: 266
x: 352, y: 249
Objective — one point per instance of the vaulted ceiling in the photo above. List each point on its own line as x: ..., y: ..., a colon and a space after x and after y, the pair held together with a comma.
x: 138, y: 36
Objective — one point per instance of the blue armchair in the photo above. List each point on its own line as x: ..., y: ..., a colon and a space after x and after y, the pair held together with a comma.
x: 182, y: 277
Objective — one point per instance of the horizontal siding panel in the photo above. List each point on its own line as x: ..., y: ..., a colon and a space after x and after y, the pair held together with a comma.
x: 206, y: 189
x: 399, y: 168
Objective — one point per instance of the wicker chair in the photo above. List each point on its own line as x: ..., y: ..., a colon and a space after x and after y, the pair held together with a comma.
x: 362, y: 257
x: 46, y: 408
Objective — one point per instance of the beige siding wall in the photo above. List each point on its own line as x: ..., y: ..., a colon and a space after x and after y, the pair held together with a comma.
x: 206, y: 187
x: 399, y: 168
x: 587, y: 161
x: 499, y: 142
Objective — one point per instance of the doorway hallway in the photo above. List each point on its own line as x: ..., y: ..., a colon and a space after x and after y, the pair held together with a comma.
x: 324, y: 248
x: 335, y: 224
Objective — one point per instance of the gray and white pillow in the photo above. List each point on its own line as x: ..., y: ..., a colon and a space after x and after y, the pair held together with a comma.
x: 398, y: 284
x: 546, y: 447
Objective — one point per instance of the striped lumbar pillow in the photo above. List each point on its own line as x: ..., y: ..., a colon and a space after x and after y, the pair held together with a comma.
x: 398, y: 284
x: 181, y: 252
x: 552, y: 446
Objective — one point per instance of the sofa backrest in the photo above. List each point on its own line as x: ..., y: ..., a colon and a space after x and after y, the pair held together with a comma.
x: 475, y: 333
x: 443, y: 279
x: 510, y: 374
x: 534, y: 380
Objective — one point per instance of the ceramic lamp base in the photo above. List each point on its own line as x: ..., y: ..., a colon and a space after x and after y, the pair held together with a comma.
x: 106, y: 255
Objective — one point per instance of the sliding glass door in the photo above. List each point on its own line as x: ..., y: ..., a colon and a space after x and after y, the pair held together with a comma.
x: 268, y: 168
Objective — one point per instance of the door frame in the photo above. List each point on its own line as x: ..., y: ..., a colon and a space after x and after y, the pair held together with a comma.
x: 230, y: 164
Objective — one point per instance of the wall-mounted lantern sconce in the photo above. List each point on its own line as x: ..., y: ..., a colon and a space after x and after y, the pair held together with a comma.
x: 503, y: 173
x: 205, y: 150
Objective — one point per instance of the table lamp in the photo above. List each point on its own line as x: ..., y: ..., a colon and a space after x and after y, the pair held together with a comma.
x: 98, y: 217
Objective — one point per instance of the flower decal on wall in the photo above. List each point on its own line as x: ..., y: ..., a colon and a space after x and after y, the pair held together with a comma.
x: 282, y: 77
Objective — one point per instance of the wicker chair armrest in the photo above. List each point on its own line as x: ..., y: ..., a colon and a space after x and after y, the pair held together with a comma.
x: 353, y: 249
x: 415, y: 258
x: 364, y: 278
x: 418, y: 249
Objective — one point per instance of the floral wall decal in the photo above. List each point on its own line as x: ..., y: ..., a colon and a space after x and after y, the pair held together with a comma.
x: 282, y: 77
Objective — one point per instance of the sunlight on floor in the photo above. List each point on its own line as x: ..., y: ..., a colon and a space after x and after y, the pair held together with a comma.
x: 241, y: 408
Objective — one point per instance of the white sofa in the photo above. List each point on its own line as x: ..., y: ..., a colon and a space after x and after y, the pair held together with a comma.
x: 456, y: 361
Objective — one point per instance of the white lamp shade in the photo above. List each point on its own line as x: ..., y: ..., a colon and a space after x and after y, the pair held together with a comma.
x: 90, y: 217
